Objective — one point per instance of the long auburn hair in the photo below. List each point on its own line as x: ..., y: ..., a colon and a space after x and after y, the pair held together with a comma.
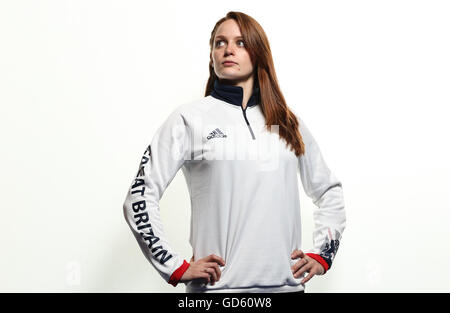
x: 273, y: 104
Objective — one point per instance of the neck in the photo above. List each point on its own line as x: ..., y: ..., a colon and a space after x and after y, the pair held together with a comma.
x: 247, y: 86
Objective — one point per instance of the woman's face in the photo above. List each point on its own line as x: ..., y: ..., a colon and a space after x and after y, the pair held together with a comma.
x: 229, y: 46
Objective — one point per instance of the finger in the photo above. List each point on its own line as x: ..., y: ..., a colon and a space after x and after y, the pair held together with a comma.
x: 308, y: 277
x: 305, y: 268
x: 213, y: 274
x: 216, y: 268
x: 211, y: 264
x: 299, y: 264
x: 297, y: 254
x: 219, y: 273
x: 216, y: 258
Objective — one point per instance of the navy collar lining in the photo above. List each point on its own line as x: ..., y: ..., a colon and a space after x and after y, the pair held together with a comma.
x: 234, y: 94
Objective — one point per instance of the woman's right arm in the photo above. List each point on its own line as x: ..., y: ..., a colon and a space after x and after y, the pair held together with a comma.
x: 162, y: 159
x: 159, y: 164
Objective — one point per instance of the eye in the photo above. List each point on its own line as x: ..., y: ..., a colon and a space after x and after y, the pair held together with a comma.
x: 219, y: 41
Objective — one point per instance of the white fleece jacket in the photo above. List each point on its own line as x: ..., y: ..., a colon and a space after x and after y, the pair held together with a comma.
x: 243, y: 185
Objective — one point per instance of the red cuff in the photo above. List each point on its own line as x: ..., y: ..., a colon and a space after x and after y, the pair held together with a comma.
x: 176, y: 276
x: 319, y: 259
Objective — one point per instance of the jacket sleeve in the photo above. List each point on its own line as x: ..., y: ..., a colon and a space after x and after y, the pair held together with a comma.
x: 326, y: 192
x: 160, y: 162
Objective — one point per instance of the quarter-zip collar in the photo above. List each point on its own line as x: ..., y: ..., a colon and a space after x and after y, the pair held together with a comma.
x: 234, y: 94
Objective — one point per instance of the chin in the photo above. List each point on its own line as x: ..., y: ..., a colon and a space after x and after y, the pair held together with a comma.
x: 230, y: 77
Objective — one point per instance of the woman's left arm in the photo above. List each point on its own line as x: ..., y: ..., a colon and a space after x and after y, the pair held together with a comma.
x: 322, y: 186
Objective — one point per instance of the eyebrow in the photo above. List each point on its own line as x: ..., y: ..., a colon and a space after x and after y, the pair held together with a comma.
x: 221, y: 36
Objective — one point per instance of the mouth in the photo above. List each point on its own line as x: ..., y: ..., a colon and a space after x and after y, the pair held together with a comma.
x: 229, y: 63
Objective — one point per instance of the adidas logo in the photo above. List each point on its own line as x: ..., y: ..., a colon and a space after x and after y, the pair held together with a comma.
x: 216, y: 133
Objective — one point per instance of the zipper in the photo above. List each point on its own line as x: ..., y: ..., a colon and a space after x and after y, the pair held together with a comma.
x: 246, y: 120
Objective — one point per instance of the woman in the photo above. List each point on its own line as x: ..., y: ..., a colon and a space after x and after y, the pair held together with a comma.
x: 245, y: 222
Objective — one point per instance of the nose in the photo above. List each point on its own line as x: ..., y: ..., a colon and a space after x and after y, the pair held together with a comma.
x: 229, y: 49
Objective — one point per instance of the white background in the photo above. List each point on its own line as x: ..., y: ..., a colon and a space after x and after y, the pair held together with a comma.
x: 85, y: 84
